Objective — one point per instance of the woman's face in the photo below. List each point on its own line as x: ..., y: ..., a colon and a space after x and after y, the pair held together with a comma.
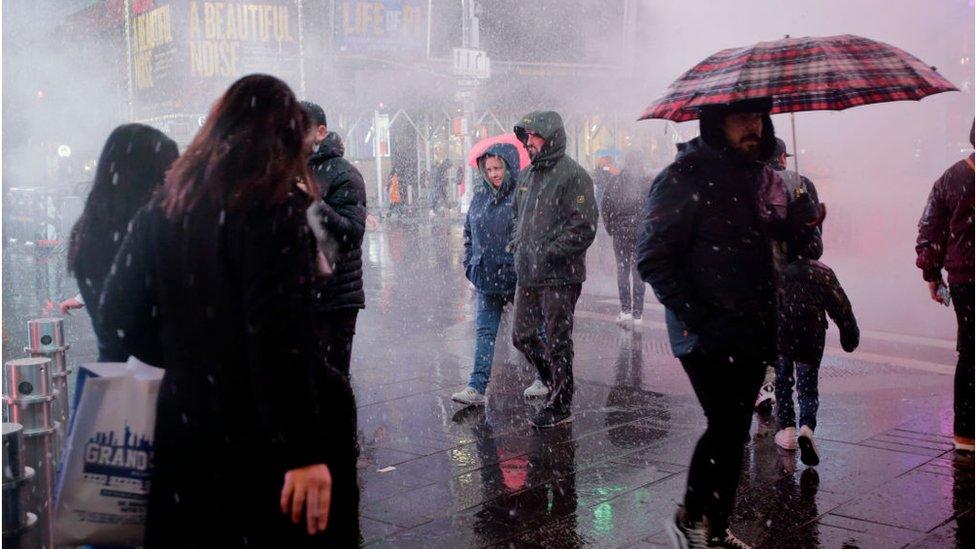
x: 495, y: 170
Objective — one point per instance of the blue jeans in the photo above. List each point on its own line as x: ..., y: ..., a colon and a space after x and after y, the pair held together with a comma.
x: 489, y: 317
x: 806, y: 392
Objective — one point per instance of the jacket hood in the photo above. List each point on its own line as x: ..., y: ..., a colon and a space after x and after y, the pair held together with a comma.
x: 330, y: 147
x: 697, y: 149
x: 710, y: 125
x: 509, y: 154
x: 549, y: 126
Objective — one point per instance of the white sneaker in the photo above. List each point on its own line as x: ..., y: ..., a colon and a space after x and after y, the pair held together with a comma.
x: 638, y: 321
x: 786, y: 438
x: 687, y: 535
x: 623, y: 318
x: 538, y: 389
x: 808, y: 449
x: 469, y: 396
x: 766, y: 399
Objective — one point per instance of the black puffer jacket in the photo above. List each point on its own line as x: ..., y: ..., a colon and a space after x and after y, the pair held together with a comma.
x: 342, y: 212
x: 810, y: 289
x: 555, y: 211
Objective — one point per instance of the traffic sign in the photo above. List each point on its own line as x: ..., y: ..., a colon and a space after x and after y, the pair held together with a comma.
x: 471, y: 63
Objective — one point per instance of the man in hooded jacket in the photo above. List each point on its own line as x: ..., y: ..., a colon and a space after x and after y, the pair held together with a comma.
x: 555, y: 222
x: 341, y: 213
x: 706, y: 248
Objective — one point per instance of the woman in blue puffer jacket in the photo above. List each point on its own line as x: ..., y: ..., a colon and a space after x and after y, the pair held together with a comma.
x: 487, y: 264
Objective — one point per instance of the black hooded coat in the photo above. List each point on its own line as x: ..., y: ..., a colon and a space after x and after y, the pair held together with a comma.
x: 706, y: 243
x: 555, y: 210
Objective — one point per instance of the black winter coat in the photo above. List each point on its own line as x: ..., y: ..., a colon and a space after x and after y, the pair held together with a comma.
x: 221, y: 300
x: 555, y: 211
x: 91, y: 280
x: 810, y: 289
x: 342, y: 212
x: 803, y: 241
x: 622, y: 203
x: 706, y: 250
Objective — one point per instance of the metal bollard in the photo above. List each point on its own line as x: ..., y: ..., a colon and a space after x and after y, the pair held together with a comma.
x: 46, y: 339
x: 61, y: 404
x: 28, y: 394
x: 46, y: 334
x: 17, y: 479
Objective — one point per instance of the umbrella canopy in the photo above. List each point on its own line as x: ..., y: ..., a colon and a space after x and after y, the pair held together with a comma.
x: 608, y: 151
x: 480, y: 147
x: 801, y: 74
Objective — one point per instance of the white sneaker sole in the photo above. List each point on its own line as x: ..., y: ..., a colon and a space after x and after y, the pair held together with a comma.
x: 469, y: 402
x: 677, y: 539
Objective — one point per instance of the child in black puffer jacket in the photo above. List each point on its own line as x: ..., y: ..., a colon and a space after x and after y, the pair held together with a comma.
x: 809, y: 289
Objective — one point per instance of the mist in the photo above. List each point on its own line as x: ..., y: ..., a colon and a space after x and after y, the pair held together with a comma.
x: 65, y: 84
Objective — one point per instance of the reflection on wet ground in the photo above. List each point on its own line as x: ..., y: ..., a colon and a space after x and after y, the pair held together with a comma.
x: 435, y: 474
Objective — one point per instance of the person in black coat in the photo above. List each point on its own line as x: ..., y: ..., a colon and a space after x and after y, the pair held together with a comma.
x: 130, y: 169
x: 808, y: 289
x: 255, y: 437
x: 805, y: 241
x: 342, y: 213
x: 706, y: 248
x: 621, y: 207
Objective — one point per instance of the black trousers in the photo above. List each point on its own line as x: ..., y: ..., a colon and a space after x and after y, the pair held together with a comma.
x: 335, y: 330
x: 726, y: 387
x: 962, y: 300
x: 553, y: 308
x: 629, y: 283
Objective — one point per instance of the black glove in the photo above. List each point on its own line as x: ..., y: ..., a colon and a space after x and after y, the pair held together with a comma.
x: 849, y: 340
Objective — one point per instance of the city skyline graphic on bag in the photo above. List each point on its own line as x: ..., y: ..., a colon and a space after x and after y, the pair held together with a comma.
x: 125, y: 462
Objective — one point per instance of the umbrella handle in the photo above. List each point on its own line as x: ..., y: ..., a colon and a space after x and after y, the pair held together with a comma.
x: 796, y: 157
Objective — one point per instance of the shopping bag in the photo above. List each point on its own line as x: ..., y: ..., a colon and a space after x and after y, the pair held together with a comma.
x: 103, y: 486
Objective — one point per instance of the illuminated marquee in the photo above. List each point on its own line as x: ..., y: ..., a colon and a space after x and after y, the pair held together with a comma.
x: 184, y: 53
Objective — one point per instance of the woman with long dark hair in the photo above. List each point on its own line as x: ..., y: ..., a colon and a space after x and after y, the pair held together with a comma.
x: 255, y: 437
x: 130, y: 169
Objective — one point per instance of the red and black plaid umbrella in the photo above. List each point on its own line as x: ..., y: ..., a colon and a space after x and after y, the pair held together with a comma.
x: 801, y: 74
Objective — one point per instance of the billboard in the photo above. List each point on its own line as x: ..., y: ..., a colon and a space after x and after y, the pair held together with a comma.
x: 387, y: 28
x: 184, y: 53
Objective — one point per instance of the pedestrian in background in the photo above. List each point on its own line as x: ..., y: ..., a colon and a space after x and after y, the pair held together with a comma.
x: 393, y: 193
x: 621, y: 207
x: 945, y: 242
x: 130, y: 170
x: 341, y: 212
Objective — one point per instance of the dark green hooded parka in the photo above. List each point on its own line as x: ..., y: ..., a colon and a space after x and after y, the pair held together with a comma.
x: 555, y: 210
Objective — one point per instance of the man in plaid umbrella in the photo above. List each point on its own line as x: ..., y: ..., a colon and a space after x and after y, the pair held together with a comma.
x: 706, y: 248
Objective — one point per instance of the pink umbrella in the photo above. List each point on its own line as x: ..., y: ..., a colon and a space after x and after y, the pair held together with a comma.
x: 480, y: 147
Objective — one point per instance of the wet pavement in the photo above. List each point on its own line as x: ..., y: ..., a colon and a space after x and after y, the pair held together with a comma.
x: 436, y: 474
